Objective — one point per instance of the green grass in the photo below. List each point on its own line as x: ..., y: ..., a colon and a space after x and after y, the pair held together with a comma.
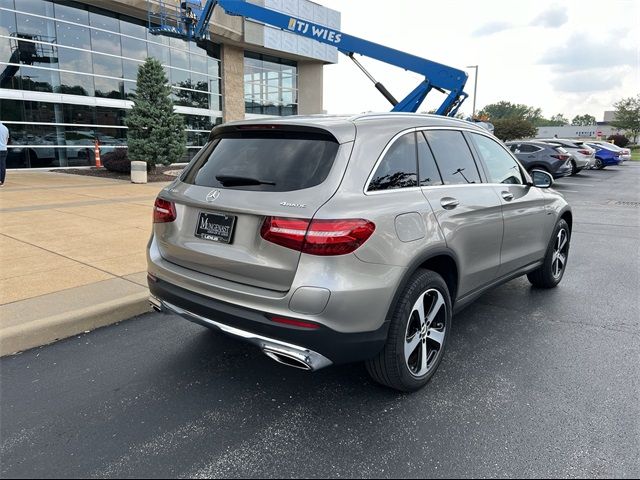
x: 635, y: 155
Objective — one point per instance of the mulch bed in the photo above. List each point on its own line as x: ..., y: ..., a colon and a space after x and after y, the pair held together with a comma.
x: 157, y: 176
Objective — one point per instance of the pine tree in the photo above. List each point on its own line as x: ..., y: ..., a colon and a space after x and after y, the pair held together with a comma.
x: 156, y: 133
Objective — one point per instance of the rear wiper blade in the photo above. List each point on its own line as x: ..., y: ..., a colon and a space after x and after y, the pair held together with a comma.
x: 235, y: 181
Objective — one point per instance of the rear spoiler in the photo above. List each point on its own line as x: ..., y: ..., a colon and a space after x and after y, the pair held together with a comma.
x: 274, y: 130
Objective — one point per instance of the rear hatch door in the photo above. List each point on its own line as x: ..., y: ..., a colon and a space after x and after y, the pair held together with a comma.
x: 240, y: 178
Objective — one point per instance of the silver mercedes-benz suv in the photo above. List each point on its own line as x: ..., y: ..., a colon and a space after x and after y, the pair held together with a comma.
x: 327, y: 240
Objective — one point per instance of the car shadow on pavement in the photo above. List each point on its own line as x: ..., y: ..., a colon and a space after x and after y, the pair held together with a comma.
x: 210, y: 355
x: 211, y: 358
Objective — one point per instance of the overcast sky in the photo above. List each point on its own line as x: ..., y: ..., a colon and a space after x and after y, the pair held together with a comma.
x: 570, y: 57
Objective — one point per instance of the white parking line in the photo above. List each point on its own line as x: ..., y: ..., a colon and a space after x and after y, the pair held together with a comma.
x: 576, y: 184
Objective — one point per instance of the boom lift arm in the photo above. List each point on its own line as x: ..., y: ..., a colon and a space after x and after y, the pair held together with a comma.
x: 443, y: 78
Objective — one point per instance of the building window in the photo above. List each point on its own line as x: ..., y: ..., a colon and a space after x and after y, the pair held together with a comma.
x: 72, y: 48
x: 270, y: 85
x: 62, y: 135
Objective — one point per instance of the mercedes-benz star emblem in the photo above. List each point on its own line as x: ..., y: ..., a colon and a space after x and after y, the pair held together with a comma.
x: 213, y: 196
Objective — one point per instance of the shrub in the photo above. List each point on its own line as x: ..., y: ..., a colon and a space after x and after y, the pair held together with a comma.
x: 619, y: 140
x: 117, y: 161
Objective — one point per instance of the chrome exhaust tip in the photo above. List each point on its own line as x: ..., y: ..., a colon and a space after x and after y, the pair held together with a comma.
x: 289, y: 359
x: 156, y: 304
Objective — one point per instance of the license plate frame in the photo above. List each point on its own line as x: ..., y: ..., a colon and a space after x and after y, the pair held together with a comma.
x: 216, y: 227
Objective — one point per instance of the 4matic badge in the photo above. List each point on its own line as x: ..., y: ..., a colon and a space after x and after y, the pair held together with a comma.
x: 293, y: 205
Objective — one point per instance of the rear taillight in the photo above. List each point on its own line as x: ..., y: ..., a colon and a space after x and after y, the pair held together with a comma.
x: 562, y: 157
x: 164, y: 211
x: 318, y: 237
x: 337, y: 237
x: 585, y: 152
x: 286, y: 232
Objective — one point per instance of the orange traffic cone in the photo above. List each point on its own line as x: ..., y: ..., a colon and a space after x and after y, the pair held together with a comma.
x: 96, y: 151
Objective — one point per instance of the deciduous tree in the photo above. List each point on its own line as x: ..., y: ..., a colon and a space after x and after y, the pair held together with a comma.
x: 583, y: 120
x: 560, y: 120
x: 628, y: 116
x: 513, y: 129
x: 503, y: 109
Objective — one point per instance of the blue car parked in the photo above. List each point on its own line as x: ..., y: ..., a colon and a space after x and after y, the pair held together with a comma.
x: 604, y: 156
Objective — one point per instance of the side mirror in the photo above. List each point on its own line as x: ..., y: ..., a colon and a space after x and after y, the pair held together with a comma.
x: 541, y: 179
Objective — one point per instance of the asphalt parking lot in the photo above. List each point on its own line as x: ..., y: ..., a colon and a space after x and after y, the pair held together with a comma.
x: 534, y: 384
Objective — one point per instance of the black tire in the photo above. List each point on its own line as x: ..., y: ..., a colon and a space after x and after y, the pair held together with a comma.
x: 390, y: 367
x: 547, y: 276
x: 574, y: 169
x: 599, y: 165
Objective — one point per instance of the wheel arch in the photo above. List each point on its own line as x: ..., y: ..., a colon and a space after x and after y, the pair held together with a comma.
x: 442, y: 261
x: 567, y: 216
x: 540, y: 166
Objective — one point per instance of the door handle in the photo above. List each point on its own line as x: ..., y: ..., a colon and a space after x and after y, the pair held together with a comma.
x: 507, y: 196
x: 449, y: 203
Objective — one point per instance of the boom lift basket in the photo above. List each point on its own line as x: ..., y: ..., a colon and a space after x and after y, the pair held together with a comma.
x: 174, y: 18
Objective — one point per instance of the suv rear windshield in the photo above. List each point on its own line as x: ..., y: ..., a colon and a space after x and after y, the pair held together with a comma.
x: 264, y: 162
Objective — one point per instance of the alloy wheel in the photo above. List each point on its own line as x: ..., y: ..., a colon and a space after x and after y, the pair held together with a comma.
x: 425, y: 333
x: 560, y: 253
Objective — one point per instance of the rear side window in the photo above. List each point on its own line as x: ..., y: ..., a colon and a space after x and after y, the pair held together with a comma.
x: 399, y: 167
x: 529, y: 149
x: 265, y: 163
x: 453, y: 157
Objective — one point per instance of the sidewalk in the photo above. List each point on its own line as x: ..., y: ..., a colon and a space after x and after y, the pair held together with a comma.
x: 72, y: 255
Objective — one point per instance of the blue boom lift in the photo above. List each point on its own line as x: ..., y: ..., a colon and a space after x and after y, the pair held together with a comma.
x: 190, y: 21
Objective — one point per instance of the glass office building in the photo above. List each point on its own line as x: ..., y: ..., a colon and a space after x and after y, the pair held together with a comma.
x: 68, y: 76
x: 75, y: 69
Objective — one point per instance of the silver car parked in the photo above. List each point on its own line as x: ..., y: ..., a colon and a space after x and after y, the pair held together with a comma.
x: 327, y: 240
x: 583, y: 157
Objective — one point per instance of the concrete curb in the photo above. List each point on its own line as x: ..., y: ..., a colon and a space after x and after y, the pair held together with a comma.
x: 58, y: 327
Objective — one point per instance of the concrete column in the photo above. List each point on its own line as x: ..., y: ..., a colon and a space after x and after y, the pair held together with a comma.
x: 310, y: 82
x: 232, y: 83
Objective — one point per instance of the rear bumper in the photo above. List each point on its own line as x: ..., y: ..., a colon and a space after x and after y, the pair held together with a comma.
x: 564, y: 170
x: 583, y: 162
x: 341, y: 293
x: 611, y: 161
x: 317, y: 348
x: 282, y: 352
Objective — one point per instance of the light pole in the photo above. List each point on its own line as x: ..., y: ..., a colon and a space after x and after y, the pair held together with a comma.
x: 475, y: 89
